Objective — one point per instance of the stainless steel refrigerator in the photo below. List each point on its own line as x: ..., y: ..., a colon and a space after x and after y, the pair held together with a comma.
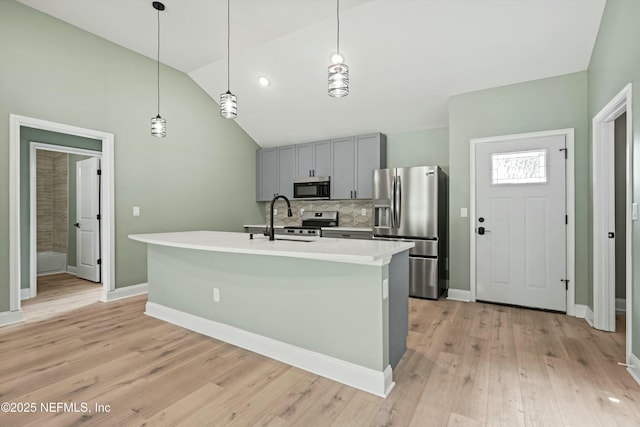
x: 410, y: 204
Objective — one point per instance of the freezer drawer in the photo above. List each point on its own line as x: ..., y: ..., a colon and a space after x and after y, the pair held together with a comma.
x: 423, y: 247
x: 423, y: 278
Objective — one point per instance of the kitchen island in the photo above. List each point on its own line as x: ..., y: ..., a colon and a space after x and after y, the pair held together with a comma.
x: 335, y: 307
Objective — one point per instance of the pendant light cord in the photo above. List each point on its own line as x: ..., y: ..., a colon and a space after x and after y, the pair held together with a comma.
x: 158, y: 64
x: 228, y: 44
x: 338, y: 20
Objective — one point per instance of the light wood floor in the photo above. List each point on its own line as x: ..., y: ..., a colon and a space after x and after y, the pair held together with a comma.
x: 60, y: 293
x: 467, y: 365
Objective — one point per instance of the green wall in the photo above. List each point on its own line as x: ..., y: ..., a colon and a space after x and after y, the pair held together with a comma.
x: 553, y: 103
x: 615, y: 63
x: 28, y: 135
x: 54, y: 71
x: 419, y: 148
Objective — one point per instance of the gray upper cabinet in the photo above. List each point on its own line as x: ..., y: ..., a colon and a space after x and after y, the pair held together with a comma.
x: 267, y: 174
x: 286, y: 170
x: 354, y: 160
x: 349, y: 162
x: 313, y: 159
x: 371, y: 153
x: 343, y: 174
x: 275, y: 172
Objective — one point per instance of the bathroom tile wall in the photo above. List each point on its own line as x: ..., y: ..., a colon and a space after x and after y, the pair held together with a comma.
x: 52, y: 198
x: 349, y: 211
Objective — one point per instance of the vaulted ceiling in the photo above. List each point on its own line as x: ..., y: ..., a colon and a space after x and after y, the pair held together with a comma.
x: 406, y: 57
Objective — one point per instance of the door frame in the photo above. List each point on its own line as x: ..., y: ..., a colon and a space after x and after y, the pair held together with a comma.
x: 603, y: 146
x: 106, y: 199
x: 569, y: 203
x: 33, y: 204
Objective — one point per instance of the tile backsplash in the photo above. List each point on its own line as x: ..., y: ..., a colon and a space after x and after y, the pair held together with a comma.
x: 349, y: 211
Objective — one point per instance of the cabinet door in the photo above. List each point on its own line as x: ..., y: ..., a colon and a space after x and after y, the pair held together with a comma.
x: 342, y: 180
x: 286, y: 170
x: 266, y: 185
x: 322, y: 158
x: 304, y: 160
x: 370, y: 155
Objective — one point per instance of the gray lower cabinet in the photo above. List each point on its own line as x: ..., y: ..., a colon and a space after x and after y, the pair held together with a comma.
x: 348, y: 234
x: 275, y: 172
x: 354, y: 160
x: 313, y: 159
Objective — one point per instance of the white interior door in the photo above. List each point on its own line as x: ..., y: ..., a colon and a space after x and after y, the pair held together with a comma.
x: 521, y: 222
x: 87, y: 219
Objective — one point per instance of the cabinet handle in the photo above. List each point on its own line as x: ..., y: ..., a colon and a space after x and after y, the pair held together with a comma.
x: 354, y: 193
x: 309, y: 172
x: 313, y: 172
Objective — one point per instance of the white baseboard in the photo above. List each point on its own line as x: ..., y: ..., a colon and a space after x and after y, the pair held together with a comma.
x: 11, y: 317
x: 621, y: 306
x: 634, y: 367
x: 25, y: 293
x: 459, y: 295
x: 375, y: 382
x: 71, y: 269
x: 126, y: 292
x: 584, y: 312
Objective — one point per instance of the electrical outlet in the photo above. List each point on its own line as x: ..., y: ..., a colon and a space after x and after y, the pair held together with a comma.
x: 275, y: 212
x: 301, y: 211
x: 385, y: 289
x: 364, y: 211
x: 216, y: 295
x: 136, y: 211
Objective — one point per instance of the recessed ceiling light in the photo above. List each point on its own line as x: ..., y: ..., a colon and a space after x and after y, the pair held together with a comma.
x: 264, y: 81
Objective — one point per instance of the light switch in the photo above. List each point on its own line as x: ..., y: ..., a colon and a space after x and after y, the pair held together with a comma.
x: 634, y: 211
x: 463, y: 212
x: 364, y: 211
x: 136, y: 211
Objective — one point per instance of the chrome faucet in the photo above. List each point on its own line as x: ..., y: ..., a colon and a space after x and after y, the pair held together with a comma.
x: 289, y: 214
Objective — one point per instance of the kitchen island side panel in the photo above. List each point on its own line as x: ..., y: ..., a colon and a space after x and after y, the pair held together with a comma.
x: 331, y: 308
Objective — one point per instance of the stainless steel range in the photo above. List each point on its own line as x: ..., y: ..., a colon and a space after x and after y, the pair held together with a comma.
x: 312, y: 222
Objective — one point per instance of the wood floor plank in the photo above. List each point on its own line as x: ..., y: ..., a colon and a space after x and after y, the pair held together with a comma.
x: 467, y: 364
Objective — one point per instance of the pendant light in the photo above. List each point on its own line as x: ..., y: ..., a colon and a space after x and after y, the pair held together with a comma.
x: 228, y: 102
x: 338, y: 70
x: 158, y: 124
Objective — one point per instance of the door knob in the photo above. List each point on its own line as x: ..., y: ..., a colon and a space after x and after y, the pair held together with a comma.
x: 482, y: 231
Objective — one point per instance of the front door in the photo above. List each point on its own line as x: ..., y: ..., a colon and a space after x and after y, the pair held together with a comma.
x: 521, y: 222
x: 87, y: 219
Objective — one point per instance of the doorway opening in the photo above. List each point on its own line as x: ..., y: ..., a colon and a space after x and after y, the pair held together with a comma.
x: 64, y: 206
x: 23, y: 262
x: 613, y: 212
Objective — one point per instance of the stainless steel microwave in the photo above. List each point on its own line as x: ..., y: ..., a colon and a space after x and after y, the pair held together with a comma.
x: 313, y: 187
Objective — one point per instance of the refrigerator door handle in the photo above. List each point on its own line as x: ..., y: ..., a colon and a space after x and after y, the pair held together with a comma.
x: 393, y: 203
x: 399, y: 203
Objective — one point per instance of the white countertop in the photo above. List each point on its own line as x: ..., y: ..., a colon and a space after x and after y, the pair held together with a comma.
x: 367, y: 252
x: 261, y: 226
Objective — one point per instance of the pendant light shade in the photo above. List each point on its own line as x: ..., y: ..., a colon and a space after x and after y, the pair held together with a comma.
x: 228, y: 101
x: 158, y: 124
x: 228, y: 105
x: 338, y: 70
